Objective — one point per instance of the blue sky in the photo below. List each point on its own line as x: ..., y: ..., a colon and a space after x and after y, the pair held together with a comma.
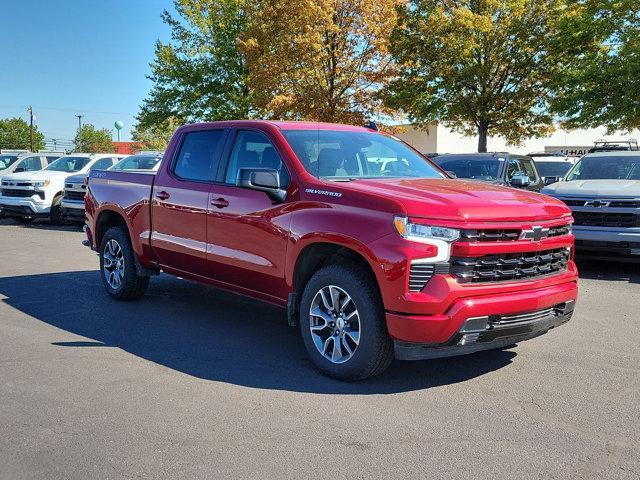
x: 73, y: 57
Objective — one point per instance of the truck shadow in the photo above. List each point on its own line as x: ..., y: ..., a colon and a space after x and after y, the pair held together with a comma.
x: 41, y: 224
x: 211, y: 334
x: 608, y: 270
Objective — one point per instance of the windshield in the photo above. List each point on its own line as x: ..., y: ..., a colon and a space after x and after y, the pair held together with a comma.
x: 553, y: 169
x: 68, y: 164
x: 7, y: 160
x: 606, y: 168
x: 474, y: 167
x: 349, y: 155
x: 137, y: 162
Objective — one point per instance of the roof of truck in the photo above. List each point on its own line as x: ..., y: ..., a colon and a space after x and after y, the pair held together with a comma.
x: 614, y: 153
x: 290, y: 125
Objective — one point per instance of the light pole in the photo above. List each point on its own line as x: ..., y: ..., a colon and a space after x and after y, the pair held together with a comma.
x: 30, y: 110
x: 79, y: 146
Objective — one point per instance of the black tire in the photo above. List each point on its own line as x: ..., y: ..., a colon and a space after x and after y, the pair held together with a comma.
x: 55, y: 214
x: 25, y: 220
x: 374, y: 352
x: 132, y: 285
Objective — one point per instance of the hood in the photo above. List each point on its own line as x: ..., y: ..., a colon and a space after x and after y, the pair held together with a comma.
x: 35, y: 176
x: 76, y: 178
x: 595, y: 188
x: 463, y: 200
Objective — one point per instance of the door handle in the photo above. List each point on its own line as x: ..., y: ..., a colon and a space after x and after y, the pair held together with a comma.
x: 162, y: 195
x: 219, y: 203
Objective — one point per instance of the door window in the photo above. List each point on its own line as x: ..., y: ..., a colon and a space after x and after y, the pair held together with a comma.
x: 528, y: 168
x: 31, y: 164
x: 102, y: 164
x: 255, y: 150
x: 199, y: 156
x: 514, y: 168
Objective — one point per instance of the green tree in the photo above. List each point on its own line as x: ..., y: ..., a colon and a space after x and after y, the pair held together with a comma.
x: 600, y: 83
x: 91, y: 140
x: 479, y: 66
x: 15, y: 134
x: 156, y: 137
x: 200, y: 74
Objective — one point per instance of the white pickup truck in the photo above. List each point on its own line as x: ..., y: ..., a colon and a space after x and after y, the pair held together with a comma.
x: 75, y: 186
x: 26, y: 196
x: 603, y: 192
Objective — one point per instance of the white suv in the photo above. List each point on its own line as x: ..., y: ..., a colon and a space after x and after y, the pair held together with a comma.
x: 30, y: 195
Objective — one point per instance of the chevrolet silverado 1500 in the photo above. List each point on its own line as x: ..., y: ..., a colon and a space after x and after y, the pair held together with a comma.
x: 373, y: 251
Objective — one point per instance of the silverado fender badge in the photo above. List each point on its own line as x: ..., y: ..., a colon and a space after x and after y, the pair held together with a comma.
x: 323, y: 192
x: 536, y: 234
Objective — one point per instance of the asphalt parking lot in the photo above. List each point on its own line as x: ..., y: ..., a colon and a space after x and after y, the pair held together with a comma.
x: 191, y: 382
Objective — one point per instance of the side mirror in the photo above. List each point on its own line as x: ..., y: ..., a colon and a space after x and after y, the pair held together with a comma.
x: 265, y: 180
x: 520, y: 180
x: 451, y: 174
x: 19, y: 169
x: 550, y: 180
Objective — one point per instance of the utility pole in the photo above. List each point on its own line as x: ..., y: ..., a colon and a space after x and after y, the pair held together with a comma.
x: 79, y: 147
x: 30, y: 128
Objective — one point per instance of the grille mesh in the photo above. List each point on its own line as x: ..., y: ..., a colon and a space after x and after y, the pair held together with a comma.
x: 510, y: 266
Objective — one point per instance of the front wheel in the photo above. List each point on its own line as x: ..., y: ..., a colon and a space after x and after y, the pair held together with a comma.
x: 118, y: 266
x: 55, y: 214
x: 343, y: 325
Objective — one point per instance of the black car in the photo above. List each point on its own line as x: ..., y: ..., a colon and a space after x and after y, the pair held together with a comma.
x: 499, y: 167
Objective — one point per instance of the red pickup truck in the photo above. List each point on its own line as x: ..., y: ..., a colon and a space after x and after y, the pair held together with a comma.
x: 371, y: 248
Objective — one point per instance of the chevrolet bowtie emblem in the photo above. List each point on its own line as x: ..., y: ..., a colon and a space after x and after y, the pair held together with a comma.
x: 596, y: 203
x: 536, y: 234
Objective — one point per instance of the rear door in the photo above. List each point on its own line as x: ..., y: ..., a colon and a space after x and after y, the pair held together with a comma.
x: 247, y: 231
x: 180, y: 200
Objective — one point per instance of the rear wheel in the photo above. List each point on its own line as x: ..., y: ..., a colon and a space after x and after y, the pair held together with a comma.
x: 343, y: 325
x: 118, y: 266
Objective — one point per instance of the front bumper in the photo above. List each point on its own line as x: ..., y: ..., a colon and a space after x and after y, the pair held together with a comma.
x: 73, y: 210
x: 490, y: 332
x: 27, y: 206
x: 441, y: 328
x: 606, y: 241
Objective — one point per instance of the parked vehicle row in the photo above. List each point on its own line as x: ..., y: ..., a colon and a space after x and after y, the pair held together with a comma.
x: 48, y: 185
x: 371, y: 248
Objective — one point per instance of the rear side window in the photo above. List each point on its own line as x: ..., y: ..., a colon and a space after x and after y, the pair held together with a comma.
x: 199, y: 155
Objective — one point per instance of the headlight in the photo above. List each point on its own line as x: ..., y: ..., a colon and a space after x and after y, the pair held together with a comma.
x: 418, y: 232
x: 42, y: 184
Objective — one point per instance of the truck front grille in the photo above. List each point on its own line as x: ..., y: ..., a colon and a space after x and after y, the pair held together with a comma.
x: 606, y: 219
x: 510, y: 266
x: 506, y: 235
x: 9, y: 192
x: 71, y: 195
x: 611, y: 203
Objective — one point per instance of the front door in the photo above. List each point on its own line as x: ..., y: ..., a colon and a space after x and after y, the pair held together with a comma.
x: 247, y: 231
x: 180, y: 200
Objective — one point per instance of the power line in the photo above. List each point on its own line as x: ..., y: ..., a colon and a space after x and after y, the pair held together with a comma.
x: 69, y: 110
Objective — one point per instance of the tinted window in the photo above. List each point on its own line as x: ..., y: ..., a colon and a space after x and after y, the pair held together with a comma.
x: 255, y: 150
x: 340, y: 154
x: 606, y: 168
x: 103, y: 164
x: 529, y: 169
x: 137, y: 162
x: 199, y: 155
x: 474, y: 167
x: 553, y: 169
x: 7, y: 160
x: 68, y: 164
x: 52, y: 159
x: 31, y: 164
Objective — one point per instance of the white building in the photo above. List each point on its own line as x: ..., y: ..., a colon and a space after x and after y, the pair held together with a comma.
x: 439, y: 139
